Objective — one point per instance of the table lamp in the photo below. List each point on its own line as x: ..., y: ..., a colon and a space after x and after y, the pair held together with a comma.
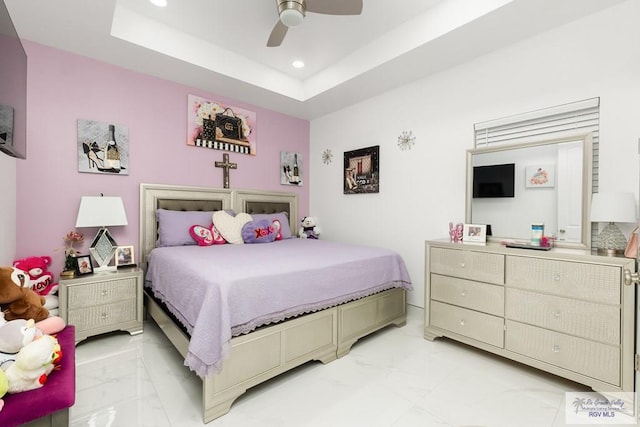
x: 102, y: 211
x: 612, y: 208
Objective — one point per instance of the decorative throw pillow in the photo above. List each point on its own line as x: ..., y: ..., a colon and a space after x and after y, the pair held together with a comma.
x: 173, y: 226
x: 231, y: 226
x: 261, y: 231
x: 282, y: 217
x: 278, y: 227
x: 206, y: 236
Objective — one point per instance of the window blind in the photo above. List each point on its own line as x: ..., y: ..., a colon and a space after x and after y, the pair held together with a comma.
x: 573, y: 119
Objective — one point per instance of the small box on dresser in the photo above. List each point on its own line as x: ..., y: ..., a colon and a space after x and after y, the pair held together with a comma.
x: 103, y: 302
x: 567, y: 312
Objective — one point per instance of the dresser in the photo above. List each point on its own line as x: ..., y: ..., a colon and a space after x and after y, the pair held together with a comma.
x: 567, y: 312
x: 103, y: 302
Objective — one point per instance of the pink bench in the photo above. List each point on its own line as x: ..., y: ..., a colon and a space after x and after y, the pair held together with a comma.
x: 48, y: 405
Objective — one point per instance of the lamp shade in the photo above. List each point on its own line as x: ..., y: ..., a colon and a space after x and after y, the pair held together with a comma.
x: 101, y: 211
x: 613, y: 207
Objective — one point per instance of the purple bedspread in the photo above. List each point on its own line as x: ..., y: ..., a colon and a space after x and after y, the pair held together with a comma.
x: 220, y: 291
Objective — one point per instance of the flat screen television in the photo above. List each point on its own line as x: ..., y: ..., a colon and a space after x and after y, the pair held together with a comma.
x: 493, y: 181
x: 13, y: 89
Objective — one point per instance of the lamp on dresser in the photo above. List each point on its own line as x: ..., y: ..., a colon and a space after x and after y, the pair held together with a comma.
x: 102, y: 211
x: 612, y: 208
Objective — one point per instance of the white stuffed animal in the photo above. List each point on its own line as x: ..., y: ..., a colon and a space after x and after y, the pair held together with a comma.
x: 309, y: 229
x: 34, y: 362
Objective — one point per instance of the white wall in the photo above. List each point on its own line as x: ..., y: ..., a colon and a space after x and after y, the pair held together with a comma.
x: 422, y: 189
x: 7, y: 209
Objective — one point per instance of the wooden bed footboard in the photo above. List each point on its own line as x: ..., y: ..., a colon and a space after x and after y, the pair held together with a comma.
x: 270, y: 351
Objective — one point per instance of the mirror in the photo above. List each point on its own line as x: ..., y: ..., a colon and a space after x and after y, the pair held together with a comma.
x: 551, y: 185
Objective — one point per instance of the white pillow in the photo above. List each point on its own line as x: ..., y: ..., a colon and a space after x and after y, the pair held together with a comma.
x: 231, y: 226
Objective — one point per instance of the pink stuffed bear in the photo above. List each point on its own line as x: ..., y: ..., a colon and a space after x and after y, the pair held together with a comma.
x: 41, y: 279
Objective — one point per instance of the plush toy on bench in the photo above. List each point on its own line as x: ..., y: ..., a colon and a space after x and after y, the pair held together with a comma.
x: 33, y: 364
x: 28, y: 352
x: 53, y: 400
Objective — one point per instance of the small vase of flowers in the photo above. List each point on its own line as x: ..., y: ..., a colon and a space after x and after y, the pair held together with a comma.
x: 71, y: 239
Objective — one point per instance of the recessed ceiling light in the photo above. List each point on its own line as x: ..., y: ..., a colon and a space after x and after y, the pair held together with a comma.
x: 159, y: 3
x: 297, y: 64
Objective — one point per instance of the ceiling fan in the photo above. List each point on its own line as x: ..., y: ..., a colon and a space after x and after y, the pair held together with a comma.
x: 292, y: 13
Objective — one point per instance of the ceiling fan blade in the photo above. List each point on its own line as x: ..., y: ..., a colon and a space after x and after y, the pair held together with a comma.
x: 335, y: 7
x: 277, y: 34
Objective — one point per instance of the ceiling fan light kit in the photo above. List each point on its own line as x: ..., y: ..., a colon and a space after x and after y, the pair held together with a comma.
x: 292, y: 13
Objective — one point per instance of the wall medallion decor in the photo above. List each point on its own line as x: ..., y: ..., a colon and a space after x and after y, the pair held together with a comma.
x: 327, y: 156
x: 290, y: 168
x: 361, y: 170
x: 406, y: 140
x: 103, y: 148
x: 212, y: 124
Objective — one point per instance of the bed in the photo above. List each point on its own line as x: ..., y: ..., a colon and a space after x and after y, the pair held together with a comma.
x: 233, y: 349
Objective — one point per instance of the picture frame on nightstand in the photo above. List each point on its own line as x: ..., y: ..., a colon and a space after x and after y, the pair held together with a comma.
x: 125, y: 256
x: 83, y: 265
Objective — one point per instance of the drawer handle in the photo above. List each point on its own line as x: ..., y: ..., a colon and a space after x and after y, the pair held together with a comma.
x: 462, y: 264
x: 104, y: 292
x: 462, y: 322
x: 104, y: 316
x: 556, y: 277
x: 556, y: 314
x: 463, y: 293
x: 556, y: 349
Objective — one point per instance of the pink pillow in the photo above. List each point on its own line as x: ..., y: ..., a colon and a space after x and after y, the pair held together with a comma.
x: 206, y: 236
x: 278, y: 228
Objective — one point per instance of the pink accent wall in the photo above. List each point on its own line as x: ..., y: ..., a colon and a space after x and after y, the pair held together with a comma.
x: 64, y: 87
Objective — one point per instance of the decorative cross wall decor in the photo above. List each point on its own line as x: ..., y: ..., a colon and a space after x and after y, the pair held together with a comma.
x: 226, y: 165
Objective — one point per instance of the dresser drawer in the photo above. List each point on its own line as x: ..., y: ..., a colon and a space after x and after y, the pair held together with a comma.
x: 480, y: 266
x: 100, y: 293
x: 599, y: 283
x: 466, y: 293
x: 582, y: 356
x: 472, y: 324
x: 105, y: 315
x: 575, y: 317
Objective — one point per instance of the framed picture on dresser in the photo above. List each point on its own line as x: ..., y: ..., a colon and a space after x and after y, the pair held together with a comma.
x: 474, y: 233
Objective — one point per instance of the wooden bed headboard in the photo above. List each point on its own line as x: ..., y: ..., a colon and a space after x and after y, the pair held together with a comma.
x: 187, y: 198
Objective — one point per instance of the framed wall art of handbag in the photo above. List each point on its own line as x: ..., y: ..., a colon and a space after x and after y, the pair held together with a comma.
x: 212, y: 124
x: 229, y: 125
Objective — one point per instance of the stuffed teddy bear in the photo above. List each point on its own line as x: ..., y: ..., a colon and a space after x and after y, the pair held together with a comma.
x: 41, y: 279
x: 11, y: 280
x: 17, y: 301
x: 309, y: 229
x: 29, y: 306
x: 34, y: 362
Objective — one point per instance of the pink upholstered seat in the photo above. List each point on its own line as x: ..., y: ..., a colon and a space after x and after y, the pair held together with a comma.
x: 51, y: 401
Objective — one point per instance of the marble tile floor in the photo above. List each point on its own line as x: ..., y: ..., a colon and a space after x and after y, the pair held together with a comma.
x: 392, y: 378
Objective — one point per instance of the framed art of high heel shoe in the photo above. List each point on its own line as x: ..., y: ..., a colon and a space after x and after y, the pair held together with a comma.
x: 103, y: 148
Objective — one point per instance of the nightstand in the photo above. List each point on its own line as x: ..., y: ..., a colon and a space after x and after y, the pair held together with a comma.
x: 102, y: 302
